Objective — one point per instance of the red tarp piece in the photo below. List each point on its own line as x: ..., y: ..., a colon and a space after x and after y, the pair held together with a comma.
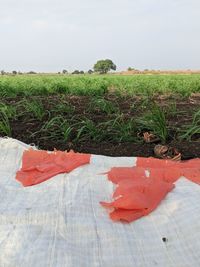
x: 140, y: 189
x: 170, y: 170
x: 39, y: 166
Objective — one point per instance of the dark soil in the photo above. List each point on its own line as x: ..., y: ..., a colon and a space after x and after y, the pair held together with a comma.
x: 25, y: 125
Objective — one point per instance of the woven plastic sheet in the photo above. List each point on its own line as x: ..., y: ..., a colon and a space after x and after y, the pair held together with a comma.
x: 61, y: 223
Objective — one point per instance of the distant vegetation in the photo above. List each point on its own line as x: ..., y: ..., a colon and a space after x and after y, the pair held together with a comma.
x: 104, y: 66
x: 146, y: 85
x: 101, y: 67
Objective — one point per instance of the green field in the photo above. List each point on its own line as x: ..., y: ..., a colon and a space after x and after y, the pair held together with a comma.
x: 97, y: 85
x: 97, y: 113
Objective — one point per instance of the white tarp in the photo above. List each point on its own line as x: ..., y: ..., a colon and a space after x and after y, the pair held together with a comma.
x: 60, y: 222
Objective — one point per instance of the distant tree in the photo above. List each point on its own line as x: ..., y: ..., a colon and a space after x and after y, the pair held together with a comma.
x: 64, y: 71
x: 104, y: 66
x: 78, y: 72
x: 3, y: 72
x: 14, y: 72
x: 31, y: 72
x: 75, y: 72
x: 20, y: 73
x: 131, y: 69
x: 90, y: 71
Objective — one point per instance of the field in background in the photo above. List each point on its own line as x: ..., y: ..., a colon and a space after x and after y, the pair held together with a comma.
x: 97, y: 85
x: 102, y: 114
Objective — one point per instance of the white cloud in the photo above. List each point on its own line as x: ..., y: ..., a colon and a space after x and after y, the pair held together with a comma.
x: 6, y: 20
x: 40, y: 24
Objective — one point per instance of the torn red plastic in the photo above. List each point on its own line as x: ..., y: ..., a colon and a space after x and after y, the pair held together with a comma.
x: 126, y: 215
x: 119, y: 173
x: 39, y: 166
x: 137, y: 197
x: 140, y: 189
x: 171, y: 170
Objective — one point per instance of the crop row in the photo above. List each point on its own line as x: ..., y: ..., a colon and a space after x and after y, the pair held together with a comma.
x: 99, y: 120
x: 98, y: 85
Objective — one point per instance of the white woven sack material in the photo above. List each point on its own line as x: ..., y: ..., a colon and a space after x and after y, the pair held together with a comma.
x: 60, y: 222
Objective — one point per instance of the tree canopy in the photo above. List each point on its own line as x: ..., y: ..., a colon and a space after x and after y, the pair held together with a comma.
x: 104, y: 66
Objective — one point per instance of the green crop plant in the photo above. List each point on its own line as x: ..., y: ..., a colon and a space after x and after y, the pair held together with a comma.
x: 35, y: 108
x: 56, y: 128
x: 63, y: 107
x: 120, y: 129
x: 5, y: 127
x: 190, y: 130
x: 171, y: 110
x: 100, y: 104
x: 143, y: 103
x: 86, y: 129
x: 8, y: 110
x: 155, y: 121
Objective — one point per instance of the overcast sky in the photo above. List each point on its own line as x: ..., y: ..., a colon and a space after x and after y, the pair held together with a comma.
x: 51, y: 35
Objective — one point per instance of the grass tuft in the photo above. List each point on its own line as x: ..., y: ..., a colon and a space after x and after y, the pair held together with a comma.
x: 155, y: 121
